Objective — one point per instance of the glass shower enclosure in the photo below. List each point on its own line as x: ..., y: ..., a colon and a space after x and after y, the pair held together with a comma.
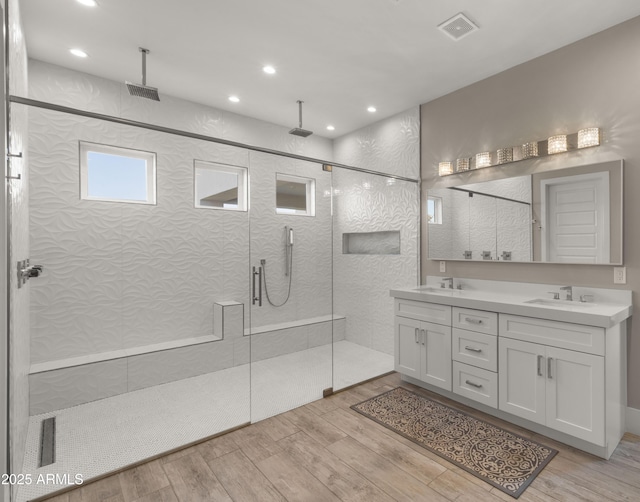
x: 250, y: 284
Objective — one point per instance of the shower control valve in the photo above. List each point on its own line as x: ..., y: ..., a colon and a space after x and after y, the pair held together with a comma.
x: 27, y: 271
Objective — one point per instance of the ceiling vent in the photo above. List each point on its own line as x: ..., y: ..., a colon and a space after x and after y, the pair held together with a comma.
x: 459, y: 26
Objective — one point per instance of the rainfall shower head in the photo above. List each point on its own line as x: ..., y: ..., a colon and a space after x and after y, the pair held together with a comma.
x: 299, y: 131
x: 143, y: 90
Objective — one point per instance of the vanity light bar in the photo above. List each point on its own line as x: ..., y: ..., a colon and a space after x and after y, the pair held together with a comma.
x: 560, y: 143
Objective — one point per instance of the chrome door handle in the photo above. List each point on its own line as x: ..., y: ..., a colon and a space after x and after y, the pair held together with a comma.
x: 416, y: 335
x: 472, y: 349
x: 473, y: 384
x: 540, y: 358
x: 258, y: 298
x: 549, y: 375
x: 424, y: 336
x: 471, y: 320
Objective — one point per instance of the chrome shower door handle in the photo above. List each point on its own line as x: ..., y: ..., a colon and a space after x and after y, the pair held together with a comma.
x: 256, y: 299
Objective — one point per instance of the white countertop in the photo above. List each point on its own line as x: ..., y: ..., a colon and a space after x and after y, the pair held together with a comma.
x: 603, y: 314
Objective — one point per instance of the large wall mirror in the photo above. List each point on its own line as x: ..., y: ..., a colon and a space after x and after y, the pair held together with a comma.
x: 571, y: 215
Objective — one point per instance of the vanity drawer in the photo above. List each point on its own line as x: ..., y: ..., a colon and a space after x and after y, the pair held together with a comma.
x: 475, y: 320
x: 477, y: 349
x: 423, y: 311
x: 475, y: 383
x: 564, y: 335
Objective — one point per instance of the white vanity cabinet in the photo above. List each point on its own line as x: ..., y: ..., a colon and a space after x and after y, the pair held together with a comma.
x: 559, y: 373
x: 423, y: 347
x: 561, y: 388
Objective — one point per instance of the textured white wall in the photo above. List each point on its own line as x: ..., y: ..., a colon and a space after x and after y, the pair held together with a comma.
x: 370, y: 203
x: 19, y: 249
x: 390, y: 146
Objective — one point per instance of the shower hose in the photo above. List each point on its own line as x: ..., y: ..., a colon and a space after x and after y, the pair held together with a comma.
x: 266, y: 290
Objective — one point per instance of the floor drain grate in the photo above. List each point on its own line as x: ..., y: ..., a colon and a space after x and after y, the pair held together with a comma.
x: 48, y: 442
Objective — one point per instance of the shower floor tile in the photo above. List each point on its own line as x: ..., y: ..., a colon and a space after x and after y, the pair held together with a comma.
x: 102, y: 436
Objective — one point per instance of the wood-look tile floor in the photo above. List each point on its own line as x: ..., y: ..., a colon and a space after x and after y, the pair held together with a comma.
x: 325, y: 452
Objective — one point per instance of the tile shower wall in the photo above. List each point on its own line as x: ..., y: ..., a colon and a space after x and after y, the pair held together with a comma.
x: 19, y: 249
x: 369, y: 203
x: 391, y: 146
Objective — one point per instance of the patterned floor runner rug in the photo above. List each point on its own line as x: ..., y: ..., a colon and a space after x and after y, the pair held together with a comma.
x: 503, y: 459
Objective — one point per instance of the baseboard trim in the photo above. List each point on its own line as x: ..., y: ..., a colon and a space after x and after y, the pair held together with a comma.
x: 633, y: 421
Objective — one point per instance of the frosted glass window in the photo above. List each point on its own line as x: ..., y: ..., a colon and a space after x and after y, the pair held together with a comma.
x: 434, y: 210
x: 295, y: 195
x: 220, y: 186
x: 114, y: 174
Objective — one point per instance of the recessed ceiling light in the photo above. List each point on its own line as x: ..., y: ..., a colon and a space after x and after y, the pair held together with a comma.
x: 372, y: 109
x: 330, y: 128
x: 78, y: 53
x: 234, y: 99
x: 88, y: 3
x: 269, y: 69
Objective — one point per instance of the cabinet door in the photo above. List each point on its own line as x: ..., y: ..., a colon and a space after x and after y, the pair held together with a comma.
x: 575, y: 394
x: 408, y: 346
x: 521, y: 387
x: 436, y: 355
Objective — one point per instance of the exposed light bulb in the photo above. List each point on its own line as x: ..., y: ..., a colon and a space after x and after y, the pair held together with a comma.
x: 330, y: 128
x: 269, y: 69
x: 88, y: 3
x: 372, y: 109
x: 234, y: 99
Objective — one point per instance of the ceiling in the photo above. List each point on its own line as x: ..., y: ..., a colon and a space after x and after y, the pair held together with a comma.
x: 338, y: 56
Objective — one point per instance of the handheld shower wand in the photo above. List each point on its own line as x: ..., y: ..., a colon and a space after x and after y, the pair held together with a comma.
x: 288, y: 266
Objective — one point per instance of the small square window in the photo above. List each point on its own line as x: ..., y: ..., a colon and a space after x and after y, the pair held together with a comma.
x: 114, y: 174
x: 220, y: 186
x: 434, y: 210
x: 295, y: 195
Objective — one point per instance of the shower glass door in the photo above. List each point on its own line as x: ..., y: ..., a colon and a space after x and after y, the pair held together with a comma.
x: 291, y: 276
x: 138, y: 322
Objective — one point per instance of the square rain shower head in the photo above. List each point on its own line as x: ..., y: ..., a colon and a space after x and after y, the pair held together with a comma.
x: 298, y: 131
x: 143, y: 91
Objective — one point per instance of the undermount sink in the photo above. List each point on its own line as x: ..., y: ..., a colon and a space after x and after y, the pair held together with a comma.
x: 431, y: 289
x: 560, y: 304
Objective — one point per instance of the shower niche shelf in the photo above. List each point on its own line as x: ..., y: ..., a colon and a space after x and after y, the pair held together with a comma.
x: 379, y: 243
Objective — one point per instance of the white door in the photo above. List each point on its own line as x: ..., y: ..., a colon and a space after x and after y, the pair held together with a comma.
x: 521, y: 388
x: 575, y: 394
x: 436, y: 355
x: 408, y: 346
x: 575, y: 216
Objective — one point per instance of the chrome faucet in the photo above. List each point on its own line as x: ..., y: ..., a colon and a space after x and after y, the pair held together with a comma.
x: 449, y: 280
x: 569, y: 290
